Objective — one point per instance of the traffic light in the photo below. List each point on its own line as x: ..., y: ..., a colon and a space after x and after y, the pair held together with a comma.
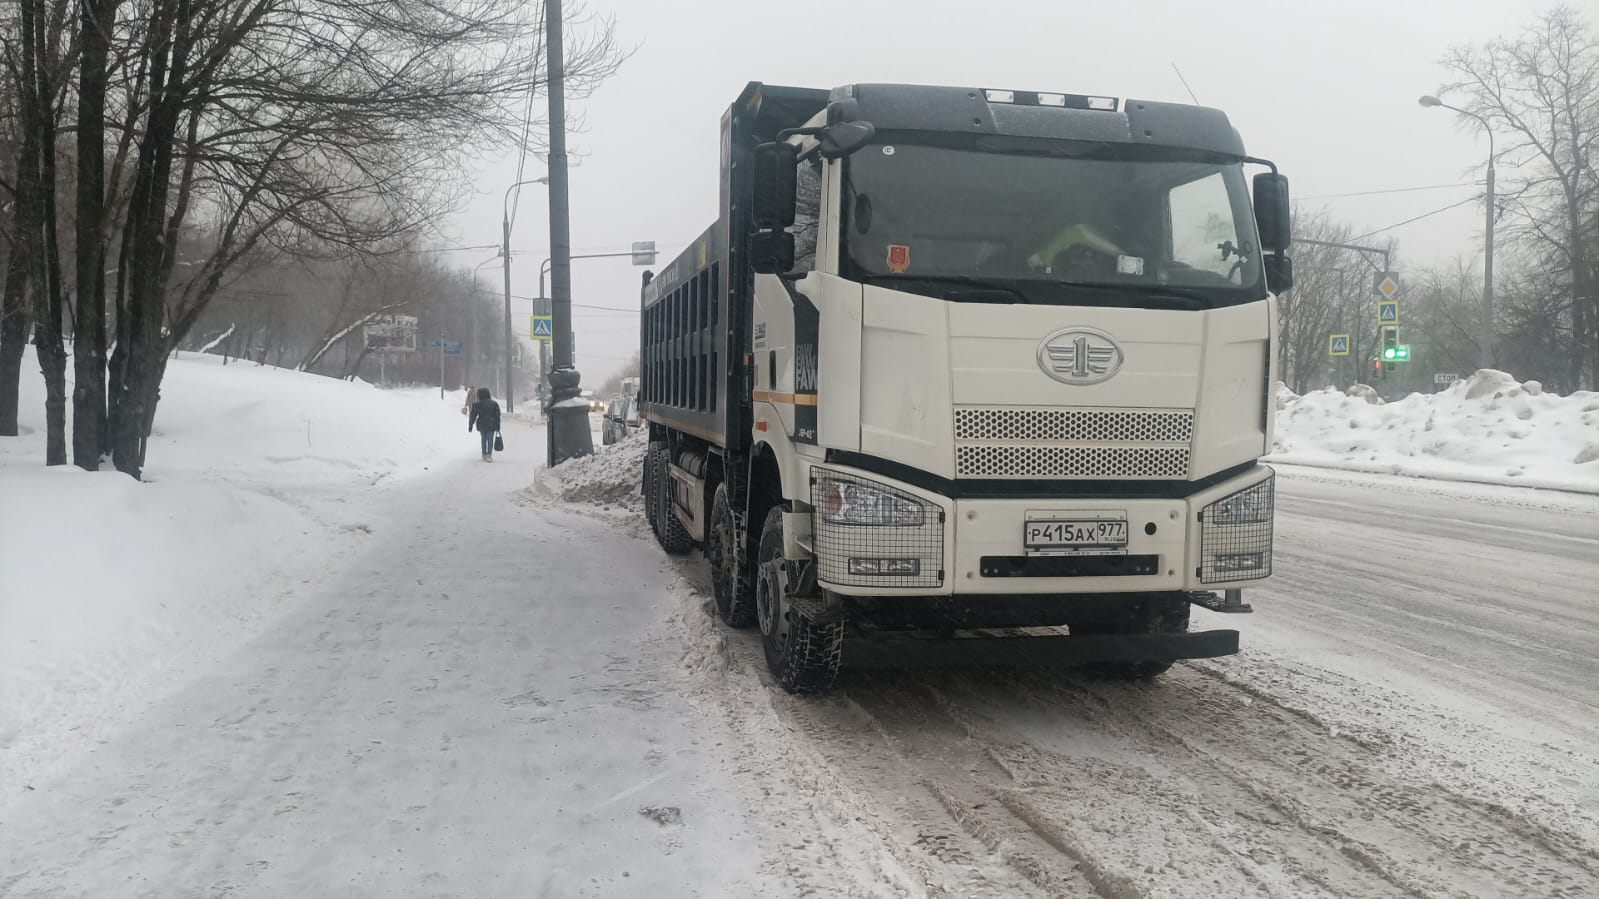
x: 1402, y: 353
x: 1390, y: 344
x: 1376, y: 370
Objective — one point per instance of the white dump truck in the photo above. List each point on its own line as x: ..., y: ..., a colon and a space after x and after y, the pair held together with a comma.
x: 970, y: 371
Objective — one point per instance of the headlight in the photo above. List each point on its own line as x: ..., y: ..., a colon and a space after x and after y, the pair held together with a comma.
x: 1244, y: 507
x: 1235, y: 535
x: 844, y: 502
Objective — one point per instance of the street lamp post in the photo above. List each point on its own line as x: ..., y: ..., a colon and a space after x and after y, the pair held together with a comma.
x: 1487, y: 343
x: 505, y: 254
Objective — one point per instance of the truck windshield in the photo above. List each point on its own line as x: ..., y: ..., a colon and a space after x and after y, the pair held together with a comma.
x: 1009, y: 220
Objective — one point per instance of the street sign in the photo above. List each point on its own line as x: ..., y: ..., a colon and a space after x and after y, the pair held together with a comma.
x: 1387, y: 285
x: 643, y: 252
x: 450, y: 347
x: 1338, y: 344
x: 541, y: 327
x: 1387, y: 312
x: 390, y: 333
x: 1443, y: 378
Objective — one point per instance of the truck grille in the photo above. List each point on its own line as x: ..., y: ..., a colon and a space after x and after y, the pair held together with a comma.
x: 997, y: 442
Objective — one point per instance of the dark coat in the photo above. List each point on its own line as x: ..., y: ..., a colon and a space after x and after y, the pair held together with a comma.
x: 485, y: 417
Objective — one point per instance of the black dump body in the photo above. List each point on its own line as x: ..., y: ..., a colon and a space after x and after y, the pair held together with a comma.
x: 694, y: 336
x: 695, y: 331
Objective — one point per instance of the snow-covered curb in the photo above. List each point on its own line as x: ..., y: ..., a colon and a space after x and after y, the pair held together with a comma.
x: 1486, y: 429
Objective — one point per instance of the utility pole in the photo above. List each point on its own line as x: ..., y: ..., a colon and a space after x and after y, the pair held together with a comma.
x: 441, y: 365
x: 568, y: 427
x: 505, y: 256
x: 1486, y: 344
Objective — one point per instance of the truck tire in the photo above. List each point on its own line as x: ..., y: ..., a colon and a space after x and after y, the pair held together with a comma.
x: 802, y: 650
x: 651, y: 514
x: 1158, y: 614
x: 670, y: 533
x: 731, y: 571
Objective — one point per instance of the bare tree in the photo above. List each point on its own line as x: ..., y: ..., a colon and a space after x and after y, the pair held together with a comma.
x: 1539, y: 92
x: 304, y: 124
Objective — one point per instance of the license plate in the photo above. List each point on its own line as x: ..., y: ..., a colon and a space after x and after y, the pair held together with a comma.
x: 1055, y: 534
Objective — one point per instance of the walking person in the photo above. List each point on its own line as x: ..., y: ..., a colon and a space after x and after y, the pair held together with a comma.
x: 468, y: 400
x: 485, y: 418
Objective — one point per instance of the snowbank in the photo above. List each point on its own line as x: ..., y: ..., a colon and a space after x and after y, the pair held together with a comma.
x: 111, y: 589
x: 613, y: 474
x: 1488, y: 428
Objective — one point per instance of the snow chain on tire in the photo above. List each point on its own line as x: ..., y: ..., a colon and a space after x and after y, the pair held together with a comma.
x: 807, y: 661
x: 673, y: 537
x: 732, y: 574
x: 651, y: 514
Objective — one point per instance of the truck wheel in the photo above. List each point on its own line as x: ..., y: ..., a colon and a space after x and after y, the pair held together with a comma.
x: 802, y: 650
x: 1159, y: 614
x: 730, y: 565
x: 669, y: 531
x: 651, y: 514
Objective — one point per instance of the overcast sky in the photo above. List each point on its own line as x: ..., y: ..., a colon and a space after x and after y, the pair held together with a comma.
x: 1327, y: 90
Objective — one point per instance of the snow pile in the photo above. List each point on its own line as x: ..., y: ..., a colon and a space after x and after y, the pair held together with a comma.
x: 112, y: 589
x: 613, y: 474
x: 1488, y: 428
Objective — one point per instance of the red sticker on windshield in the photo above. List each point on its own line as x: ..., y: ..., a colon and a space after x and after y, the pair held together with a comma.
x: 899, y: 258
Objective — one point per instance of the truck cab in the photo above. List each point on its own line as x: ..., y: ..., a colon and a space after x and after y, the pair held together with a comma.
x: 1005, y: 358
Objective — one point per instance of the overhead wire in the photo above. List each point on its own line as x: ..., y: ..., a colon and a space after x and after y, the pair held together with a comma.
x: 527, y: 129
x: 1391, y: 190
x: 1471, y: 199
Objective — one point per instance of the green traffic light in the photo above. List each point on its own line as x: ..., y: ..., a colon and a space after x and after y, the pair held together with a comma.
x: 1390, y: 353
x: 1402, y: 353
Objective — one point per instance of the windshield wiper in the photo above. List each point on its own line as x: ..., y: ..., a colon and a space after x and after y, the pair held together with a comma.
x: 960, y: 287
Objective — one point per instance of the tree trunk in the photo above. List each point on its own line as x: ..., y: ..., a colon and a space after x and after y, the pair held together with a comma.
x: 14, y: 326
x: 146, y: 345
x: 89, y: 326
x: 39, y: 127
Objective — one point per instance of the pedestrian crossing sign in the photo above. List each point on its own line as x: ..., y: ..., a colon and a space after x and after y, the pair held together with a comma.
x: 1337, y: 344
x: 1387, y: 312
x: 541, y: 328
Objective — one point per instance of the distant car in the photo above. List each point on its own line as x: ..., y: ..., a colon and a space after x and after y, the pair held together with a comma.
x: 613, y: 427
x: 621, y: 418
x: 596, y: 404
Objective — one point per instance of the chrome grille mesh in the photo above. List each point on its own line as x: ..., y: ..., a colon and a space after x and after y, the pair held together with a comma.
x: 1021, y: 442
x: 1074, y: 425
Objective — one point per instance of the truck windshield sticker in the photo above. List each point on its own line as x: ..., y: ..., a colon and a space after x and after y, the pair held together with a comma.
x: 1130, y: 265
x: 899, y: 258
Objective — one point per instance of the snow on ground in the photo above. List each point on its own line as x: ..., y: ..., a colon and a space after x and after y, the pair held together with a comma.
x: 113, y: 589
x: 1488, y: 428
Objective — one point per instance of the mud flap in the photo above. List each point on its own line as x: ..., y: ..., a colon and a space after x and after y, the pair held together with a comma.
x: 1034, y: 651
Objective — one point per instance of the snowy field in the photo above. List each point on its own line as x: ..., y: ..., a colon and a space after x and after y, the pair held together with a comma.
x: 1488, y: 428
x: 257, y: 483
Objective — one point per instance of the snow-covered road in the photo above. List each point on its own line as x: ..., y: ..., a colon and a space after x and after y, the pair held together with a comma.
x: 505, y: 695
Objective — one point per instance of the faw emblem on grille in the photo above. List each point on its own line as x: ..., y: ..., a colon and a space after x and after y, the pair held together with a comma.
x: 1079, y: 356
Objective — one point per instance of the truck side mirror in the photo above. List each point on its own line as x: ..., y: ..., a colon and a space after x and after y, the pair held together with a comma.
x: 774, y: 197
x: 1279, y: 273
x: 843, y: 138
x: 772, y: 252
x: 1272, y: 212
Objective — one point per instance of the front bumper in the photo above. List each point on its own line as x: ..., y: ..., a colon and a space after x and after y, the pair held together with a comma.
x: 975, y: 546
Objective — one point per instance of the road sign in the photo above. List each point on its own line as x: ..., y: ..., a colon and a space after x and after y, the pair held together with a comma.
x: 1443, y: 378
x: 390, y: 333
x: 1387, y: 285
x: 1387, y: 312
x: 450, y: 347
x: 541, y: 327
x: 1338, y: 344
x: 644, y: 252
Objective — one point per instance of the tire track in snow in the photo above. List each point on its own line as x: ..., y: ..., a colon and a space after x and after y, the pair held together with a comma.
x: 1419, y: 837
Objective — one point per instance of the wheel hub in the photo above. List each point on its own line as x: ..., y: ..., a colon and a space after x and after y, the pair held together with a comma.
x: 770, y: 600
